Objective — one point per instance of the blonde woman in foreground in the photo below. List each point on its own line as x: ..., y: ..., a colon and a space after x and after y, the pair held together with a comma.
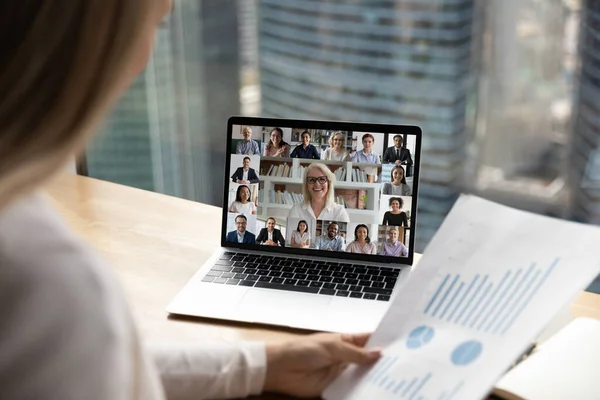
x: 67, y: 332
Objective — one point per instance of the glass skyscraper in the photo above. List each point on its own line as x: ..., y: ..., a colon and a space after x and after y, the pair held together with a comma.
x: 166, y: 134
x: 398, y: 62
x: 585, y: 157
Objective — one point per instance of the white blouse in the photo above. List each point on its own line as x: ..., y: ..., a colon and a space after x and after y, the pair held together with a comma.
x: 329, y: 154
x: 238, y: 207
x: 333, y: 212
x: 67, y: 332
x: 298, y: 239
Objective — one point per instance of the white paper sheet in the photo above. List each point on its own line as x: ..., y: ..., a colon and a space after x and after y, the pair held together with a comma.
x: 487, y: 285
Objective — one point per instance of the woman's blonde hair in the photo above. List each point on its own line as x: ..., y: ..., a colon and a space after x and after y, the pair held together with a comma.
x: 330, y: 186
x: 338, y: 133
x: 62, y: 67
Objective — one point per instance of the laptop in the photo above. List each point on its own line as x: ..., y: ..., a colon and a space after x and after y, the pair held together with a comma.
x: 318, y: 225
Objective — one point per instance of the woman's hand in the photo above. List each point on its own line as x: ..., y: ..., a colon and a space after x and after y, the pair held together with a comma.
x: 306, y: 367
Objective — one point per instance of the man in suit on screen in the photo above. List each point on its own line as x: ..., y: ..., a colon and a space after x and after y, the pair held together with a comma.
x: 241, y: 235
x: 270, y: 236
x: 245, y: 174
x: 398, y: 155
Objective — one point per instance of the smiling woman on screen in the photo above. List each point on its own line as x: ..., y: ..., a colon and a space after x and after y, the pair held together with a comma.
x: 67, y: 331
x: 318, y: 184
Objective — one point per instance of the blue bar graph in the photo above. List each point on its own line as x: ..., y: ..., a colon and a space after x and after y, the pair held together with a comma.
x: 491, y: 298
x: 398, y: 387
x: 382, y: 366
x: 420, y: 386
x: 512, y: 299
x: 410, y: 385
x: 482, y: 302
x: 464, y: 296
x: 454, y: 296
x: 485, y: 278
x: 446, y: 295
x: 410, y: 388
x: 479, y: 302
x: 437, y: 293
x: 520, y: 307
x: 500, y: 299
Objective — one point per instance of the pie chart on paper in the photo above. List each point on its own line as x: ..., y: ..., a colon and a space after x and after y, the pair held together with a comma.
x: 420, y: 336
x: 466, y: 353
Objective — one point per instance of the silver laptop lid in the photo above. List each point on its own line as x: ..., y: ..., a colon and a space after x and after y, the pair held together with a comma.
x: 322, y: 188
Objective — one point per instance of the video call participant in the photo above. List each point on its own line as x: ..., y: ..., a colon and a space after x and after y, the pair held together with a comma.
x: 318, y: 190
x: 396, y: 217
x: 247, y: 146
x: 393, y: 247
x: 331, y: 241
x: 270, y: 236
x: 276, y: 146
x: 398, y: 185
x: 305, y: 150
x: 337, y: 148
x: 245, y: 174
x: 242, y: 203
x: 367, y: 155
x: 301, y: 236
x: 397, y: 154
x: 362, y: 243
x: 241, y: 235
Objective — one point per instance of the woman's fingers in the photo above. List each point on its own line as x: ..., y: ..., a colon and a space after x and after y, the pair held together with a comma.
x: 345, y: 352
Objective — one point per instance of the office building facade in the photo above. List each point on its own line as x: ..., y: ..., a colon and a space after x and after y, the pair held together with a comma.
x: 398, y: 62
x: 166, y: 134
x: 585, y: 149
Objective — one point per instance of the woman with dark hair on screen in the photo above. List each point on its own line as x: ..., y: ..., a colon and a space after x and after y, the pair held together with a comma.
x: 242, y: 203
x: 305, y: 150
x: 277, y: 147
x: 67, y: 330
x: 396, y: 217
x: 301, y: 236
x: 362, y: 243
x: 398, y: 185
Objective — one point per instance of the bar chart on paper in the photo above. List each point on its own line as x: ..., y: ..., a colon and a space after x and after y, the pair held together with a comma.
x: 492, y: 278
x: 490, y: 302
x: 386, y: 382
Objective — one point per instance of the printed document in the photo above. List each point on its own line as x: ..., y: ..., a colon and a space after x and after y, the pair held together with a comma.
x: 488, y: 283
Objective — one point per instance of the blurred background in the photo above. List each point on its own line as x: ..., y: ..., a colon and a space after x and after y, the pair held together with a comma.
x: 507, y: 93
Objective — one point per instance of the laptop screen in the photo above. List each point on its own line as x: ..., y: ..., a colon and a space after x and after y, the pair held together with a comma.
x: 322, y: 188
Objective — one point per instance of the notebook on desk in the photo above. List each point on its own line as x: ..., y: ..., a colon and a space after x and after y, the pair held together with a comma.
x: 317, y: 227
x: 564, y: 367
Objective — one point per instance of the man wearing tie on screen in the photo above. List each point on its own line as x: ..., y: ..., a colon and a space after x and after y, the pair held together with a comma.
x: 398, y: 155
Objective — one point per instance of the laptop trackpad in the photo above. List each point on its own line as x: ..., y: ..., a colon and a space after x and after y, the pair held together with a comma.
x: 280, y: 307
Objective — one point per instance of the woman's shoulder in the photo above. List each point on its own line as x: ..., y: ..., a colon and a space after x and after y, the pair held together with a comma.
x: 60, y: 286
x: 35, y: 245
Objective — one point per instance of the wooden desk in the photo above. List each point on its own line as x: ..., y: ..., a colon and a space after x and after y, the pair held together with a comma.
x: 156, y: 243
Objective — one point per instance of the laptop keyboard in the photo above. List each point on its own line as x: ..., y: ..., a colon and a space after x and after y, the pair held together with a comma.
x: 317, y: 277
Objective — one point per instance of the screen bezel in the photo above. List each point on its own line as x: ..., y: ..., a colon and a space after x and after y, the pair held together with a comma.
x: 326, y: 125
